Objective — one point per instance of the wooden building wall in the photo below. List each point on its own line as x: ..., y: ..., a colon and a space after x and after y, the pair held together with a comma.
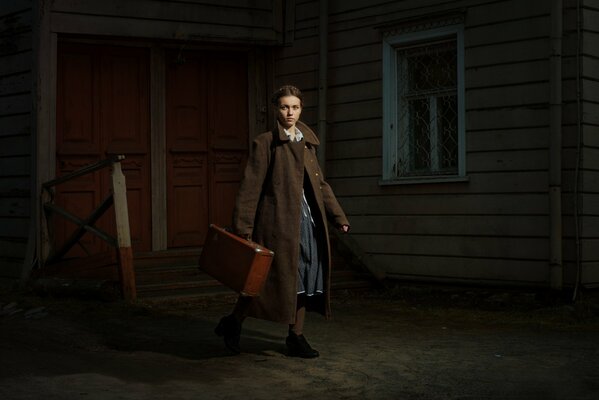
x: 233, y: 20
x: 16, y: 105
x: 494, y: 227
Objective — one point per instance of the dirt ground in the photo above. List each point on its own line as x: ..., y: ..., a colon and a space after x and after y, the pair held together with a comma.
x: 390, y: 344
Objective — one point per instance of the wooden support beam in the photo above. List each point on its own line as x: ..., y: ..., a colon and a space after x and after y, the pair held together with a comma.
x: 121, y: 212
x: 96, y: 231
x: 118, y: 197
x: 84, y: 171
x: 46, y: 231
x: 80, y: 231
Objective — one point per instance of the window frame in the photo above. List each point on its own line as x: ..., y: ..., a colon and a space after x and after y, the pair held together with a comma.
x: 391, y: 42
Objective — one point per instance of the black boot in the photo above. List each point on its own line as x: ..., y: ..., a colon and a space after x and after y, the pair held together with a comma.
x: 230, y: 329
x: 298, y: 346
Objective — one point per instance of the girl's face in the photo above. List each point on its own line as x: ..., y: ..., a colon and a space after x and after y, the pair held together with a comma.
x: 289, y: 111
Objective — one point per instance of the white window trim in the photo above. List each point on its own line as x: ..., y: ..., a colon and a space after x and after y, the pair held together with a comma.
x: 390, y: 117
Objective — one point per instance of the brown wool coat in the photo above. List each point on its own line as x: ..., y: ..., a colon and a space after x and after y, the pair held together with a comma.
x: 268, y: 209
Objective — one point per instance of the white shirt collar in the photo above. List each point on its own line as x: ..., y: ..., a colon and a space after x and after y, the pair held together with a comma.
x: 299, y: 136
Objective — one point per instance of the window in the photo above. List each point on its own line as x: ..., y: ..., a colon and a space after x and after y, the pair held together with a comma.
x: 423, y: 118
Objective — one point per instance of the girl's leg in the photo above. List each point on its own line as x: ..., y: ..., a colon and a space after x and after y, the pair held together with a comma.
x: 241, y: 308
x: 229, y: 327
x: 297, y: 345
x: 300, y: 316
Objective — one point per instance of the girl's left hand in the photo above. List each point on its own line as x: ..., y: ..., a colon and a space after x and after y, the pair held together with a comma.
x: 344, y: 228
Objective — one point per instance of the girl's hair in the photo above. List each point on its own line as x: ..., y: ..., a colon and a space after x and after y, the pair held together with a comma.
x: 287, y: 90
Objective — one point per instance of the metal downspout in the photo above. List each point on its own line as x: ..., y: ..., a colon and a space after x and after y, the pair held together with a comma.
x: 555, y: 147
x: 322, y: 81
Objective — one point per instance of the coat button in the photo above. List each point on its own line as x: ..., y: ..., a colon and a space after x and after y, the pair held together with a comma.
x: 317, y: 174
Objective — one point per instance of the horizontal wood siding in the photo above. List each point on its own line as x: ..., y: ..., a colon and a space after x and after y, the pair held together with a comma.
x: 192, y: 20
x: 588, y: 157
x: 493, y: 227
x: 16, y: 104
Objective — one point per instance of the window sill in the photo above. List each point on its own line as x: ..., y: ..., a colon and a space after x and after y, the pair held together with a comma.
x: 421, y: 180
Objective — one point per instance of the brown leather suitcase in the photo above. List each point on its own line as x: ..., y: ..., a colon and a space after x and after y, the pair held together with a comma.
x: 240, y: 264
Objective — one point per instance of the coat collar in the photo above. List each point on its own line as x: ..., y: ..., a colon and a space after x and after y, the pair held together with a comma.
x: 309, y: 135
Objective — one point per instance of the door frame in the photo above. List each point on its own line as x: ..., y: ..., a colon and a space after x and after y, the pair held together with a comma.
x: 260, y: 69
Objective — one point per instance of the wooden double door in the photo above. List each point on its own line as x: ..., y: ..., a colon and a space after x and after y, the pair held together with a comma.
x: 103, y: 108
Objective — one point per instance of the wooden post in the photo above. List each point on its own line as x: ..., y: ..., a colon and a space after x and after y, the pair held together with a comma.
x: 46, y: 234
x: 121, y: 212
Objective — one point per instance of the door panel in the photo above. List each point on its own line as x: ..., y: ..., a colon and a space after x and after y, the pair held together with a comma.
x: 103, y: 109
x: 125, y: 95
x: 76, y: 130
x: 207, y: 135
x: 125, y: 130
x: 187, y: 157
x: 189, y: 192
x: 229, y: 105
x: 228, y: 170
x: 229, y: 134
x: 78, y: 143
